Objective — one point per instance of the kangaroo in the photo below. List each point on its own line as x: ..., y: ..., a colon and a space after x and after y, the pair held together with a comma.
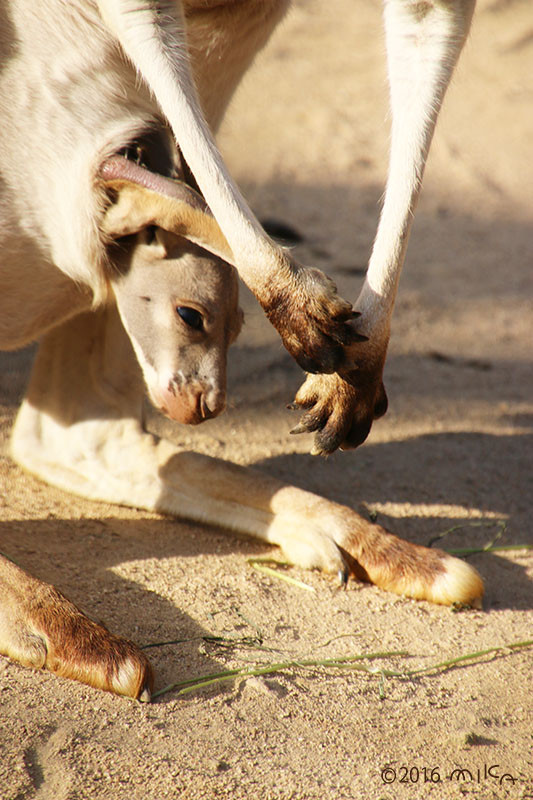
x: 121, y: 236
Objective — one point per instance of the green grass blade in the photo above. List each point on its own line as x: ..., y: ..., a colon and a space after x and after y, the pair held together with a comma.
x: 186, y: 686
x: 274, y: 573
x: 338, y: 662
x: 469, y: 551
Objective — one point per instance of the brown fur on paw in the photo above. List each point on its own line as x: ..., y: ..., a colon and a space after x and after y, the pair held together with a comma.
x: 376, y: 556
x: 41, y: 628
x: 314, y: 323
x: 84, y: 650
x: 419, y: 572
x: 340, y: 412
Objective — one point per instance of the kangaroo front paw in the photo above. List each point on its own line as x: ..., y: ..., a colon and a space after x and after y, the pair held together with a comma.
x: 340, y: 412
x: 312, y: 320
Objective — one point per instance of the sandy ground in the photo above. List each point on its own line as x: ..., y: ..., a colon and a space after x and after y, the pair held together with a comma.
x: 307, y: 139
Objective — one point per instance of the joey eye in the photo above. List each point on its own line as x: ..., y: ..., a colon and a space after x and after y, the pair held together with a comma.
x: 191, y: 317
x: 150, y: 234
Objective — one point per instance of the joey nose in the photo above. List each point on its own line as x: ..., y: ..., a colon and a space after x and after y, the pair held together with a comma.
x: 212, y: 403
x: 191, y: 403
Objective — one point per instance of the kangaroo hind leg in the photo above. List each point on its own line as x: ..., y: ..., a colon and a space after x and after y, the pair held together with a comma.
x: 40, y: 628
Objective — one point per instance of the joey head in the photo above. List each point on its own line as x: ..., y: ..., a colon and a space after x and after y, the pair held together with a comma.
x: 179, y: 306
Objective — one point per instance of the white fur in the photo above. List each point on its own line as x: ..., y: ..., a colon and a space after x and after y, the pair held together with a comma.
x: 424, y: 40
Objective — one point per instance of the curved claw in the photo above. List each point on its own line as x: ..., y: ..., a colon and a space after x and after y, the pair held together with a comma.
x: 313, y: 420
x: 300, y: 428
x: 343, y: 575
x: 340, y: 413
x: 146, y: 695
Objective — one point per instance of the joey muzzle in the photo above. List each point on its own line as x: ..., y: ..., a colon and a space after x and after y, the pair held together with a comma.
x: 190, y: 403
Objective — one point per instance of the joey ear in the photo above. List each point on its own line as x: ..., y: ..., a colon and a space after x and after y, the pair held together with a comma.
x: 140, y: 199
x: 156, y: 238
x: 236, y: 327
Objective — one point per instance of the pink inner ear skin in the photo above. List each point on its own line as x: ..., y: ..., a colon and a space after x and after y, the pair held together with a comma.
x: 121, y: 168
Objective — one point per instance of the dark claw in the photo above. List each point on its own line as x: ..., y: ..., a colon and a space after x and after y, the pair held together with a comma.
x: 359, y: 337
x: 300, y: 428
x: 343, y: 575
x: 314, y: 420
x: 294, y: 406
x: 344, y: 313
x: 145, y: 695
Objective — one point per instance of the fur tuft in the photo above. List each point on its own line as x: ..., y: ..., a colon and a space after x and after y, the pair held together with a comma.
x: 459, y: 583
